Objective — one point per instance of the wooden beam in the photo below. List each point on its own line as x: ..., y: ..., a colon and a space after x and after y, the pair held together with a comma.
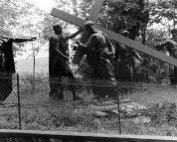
x: 84, y: 136
x: 67, y: 17
x: 130, y: 43
x: 95, y: 10
x: 138, y: 46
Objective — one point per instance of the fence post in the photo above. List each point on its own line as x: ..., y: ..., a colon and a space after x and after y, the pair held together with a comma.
x: 19, y: 103
x: 118, y: 107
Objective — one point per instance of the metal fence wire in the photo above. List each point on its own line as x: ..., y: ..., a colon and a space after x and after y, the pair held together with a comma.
x: 27, y: 102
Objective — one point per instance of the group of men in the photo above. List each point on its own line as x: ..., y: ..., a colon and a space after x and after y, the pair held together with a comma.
x: 100, y: 53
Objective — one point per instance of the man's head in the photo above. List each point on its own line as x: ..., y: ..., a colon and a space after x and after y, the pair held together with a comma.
x: 174, y: 32
x: 1, y: 42
x: 89, y: 27
x: 57, y: 29
x: 125, y: 33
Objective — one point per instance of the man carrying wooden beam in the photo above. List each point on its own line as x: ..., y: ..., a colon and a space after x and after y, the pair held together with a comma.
x: 100, y: 53
x: 171, y: 47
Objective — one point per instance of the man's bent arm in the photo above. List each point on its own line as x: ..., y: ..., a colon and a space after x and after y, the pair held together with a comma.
x: 55, y: 46
x: 90, y: 44
x: 74, y: 34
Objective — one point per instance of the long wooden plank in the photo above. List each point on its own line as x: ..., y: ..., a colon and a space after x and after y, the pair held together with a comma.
x: 94, y: 13
x: 67, y: 17
x: 84, y: 136
x: 140, y: 47
x: 131, y: 43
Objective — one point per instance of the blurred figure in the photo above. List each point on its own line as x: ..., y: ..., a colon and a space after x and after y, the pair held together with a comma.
x: 7, y: 67
x: 171, y: 47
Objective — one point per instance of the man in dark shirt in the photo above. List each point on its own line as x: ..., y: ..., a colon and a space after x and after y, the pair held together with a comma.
x: 58, y: 63
x: 123, y: 72
x: 100, y: 53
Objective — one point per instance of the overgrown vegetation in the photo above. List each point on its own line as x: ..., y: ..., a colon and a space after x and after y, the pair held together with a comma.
x: 38, y: 113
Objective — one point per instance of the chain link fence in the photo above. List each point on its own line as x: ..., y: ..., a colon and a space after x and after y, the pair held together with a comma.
x: 101, y: 106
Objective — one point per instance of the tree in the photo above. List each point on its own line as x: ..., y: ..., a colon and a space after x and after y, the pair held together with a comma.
x: 10, y: 11
x: 130, y: 15
x: 163, y: 13
x: 163, y: 10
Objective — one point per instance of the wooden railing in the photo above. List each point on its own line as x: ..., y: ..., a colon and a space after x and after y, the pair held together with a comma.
x: 80, y: 136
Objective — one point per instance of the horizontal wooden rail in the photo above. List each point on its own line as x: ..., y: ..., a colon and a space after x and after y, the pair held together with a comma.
x: 84, y: 136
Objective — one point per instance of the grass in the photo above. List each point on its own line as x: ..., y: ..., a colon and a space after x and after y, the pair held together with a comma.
x: 38, y: 113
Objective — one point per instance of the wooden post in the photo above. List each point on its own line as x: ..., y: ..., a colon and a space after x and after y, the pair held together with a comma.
x: 19, y: 102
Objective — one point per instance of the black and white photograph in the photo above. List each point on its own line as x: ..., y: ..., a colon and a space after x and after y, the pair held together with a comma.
x: 88, y: 70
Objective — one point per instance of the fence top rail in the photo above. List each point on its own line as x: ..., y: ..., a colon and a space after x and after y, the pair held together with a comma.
x: 84, y: 136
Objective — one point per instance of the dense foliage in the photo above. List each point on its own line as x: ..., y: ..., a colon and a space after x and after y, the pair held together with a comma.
x: 128, y: 15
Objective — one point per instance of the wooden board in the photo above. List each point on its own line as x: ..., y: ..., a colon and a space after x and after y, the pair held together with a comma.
x: 67, y: 17
x: 140, y: 47
x: 84, y: 136
x: 94, y: 13
x: 123, y: 40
